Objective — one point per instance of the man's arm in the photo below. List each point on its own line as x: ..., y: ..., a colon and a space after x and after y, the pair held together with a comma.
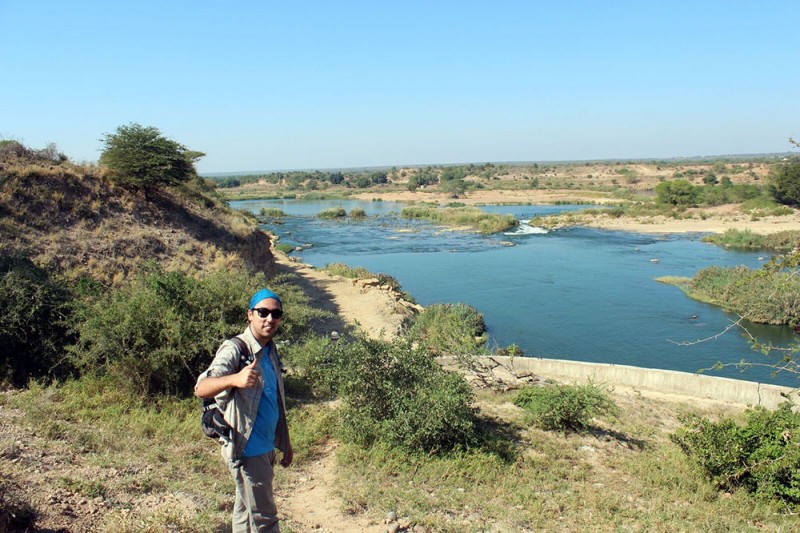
x: 211, y: 386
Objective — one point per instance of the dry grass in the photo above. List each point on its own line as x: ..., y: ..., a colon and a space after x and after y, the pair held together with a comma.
x: 72, y: 219
x: 624, y: 474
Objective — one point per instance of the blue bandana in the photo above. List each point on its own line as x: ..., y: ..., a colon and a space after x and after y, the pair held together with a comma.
x: 263, y: 294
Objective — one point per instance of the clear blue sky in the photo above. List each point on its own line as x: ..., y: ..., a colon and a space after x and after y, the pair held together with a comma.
x: 262, y: 85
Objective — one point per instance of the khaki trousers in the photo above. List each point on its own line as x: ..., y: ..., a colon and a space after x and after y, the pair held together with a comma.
x: 254, y: 509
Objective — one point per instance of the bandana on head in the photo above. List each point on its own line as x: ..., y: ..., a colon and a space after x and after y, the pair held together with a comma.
x: 263, y: 294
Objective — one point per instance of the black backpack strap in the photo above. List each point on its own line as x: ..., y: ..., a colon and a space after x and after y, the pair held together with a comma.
x: 245, y: 357
x: 212, y: 420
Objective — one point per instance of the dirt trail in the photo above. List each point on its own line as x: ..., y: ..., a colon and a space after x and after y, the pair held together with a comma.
x: 308, y: 500
x: 309, y: 503
x: 376, y: 312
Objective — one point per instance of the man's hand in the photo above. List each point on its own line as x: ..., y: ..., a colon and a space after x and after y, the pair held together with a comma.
x: 247, y: 377
x: 288, y: 455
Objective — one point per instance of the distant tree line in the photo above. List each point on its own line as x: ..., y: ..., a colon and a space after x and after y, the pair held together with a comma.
x: 783, y: 188
x: 717, y: 188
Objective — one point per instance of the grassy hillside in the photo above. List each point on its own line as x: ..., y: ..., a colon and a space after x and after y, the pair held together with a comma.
x: 72, y: 219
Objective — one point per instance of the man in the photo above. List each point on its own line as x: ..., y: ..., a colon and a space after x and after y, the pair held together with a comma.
x: 252, y: 400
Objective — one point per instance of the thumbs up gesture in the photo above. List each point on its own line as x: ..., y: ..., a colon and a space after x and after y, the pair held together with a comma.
x: 248, y: 376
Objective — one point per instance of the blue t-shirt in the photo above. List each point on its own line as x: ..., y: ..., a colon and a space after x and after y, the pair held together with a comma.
x: 262, y: 438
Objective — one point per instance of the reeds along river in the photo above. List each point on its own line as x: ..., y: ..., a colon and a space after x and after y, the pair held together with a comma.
x: 580, y: 294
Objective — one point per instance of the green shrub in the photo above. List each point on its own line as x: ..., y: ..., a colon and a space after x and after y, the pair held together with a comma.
x: 785, y: 241
x: 745, y: 239
x: 358, y: 213
x: 158, y: 333
x: 273, y: 212
x: 346, y: 271
x: 785, y: 183
x: 762, y: 455
x: 384, y: 280
x: 677, y: 192
x: 285, y: 248
x: 763, y: 296
x: 759, y: 204
x: 336, y: 212
x: 780, y: 211
x: 462, y: 216
x: 565, y: 407
x: 450, y: 329
x: 35, y: 321
x: 734, y: 238
x: 392, y: 392
x: 512, y: 350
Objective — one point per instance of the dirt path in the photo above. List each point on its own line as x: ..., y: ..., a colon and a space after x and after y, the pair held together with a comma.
x: 309, y: 502
x: 375, y: 311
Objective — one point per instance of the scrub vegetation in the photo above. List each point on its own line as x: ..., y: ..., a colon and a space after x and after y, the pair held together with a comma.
x: 783, y: 241
x: 565, y: 407
x: 361, y: 273
x: 471, y: 217
x: 760, y: 455
x: 770, y: 295
x: 111, y: 306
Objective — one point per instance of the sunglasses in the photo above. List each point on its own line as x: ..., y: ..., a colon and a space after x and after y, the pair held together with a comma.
x: 264, y: 312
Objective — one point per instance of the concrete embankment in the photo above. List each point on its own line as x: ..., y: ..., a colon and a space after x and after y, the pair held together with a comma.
x: 662, y: 381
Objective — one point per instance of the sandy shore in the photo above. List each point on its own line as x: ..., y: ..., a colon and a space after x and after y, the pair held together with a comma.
x: 376, y: 312
x: 713, y: 223
x: 707, y: 220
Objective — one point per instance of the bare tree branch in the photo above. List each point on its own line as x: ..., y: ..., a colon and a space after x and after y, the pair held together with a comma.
x: 733, y: 324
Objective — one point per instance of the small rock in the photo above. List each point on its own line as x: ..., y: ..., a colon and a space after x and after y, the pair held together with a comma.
x: 391, y: 516
x: 393, y: 528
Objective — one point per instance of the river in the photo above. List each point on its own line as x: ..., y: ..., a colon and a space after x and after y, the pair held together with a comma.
x: 579, y: 293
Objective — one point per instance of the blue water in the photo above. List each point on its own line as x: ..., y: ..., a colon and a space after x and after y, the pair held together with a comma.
x: 579, y: 293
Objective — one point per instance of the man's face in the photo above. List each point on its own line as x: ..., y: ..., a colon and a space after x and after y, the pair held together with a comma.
x: 264, y: 327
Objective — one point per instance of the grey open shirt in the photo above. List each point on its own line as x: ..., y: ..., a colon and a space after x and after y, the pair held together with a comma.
x: 240, y: 406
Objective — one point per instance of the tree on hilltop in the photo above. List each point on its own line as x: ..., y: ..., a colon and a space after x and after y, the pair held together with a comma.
x: 140, y: 157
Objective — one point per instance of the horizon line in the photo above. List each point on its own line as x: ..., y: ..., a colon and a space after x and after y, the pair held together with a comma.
x: 521, y: 162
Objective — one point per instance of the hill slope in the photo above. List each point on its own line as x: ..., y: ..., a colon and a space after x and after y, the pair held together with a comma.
x: 72, y: 219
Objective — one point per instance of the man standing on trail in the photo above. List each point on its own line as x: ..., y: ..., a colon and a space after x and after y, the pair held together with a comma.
x: 252, y: 400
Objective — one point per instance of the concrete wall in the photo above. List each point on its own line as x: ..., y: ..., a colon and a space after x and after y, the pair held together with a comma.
x: 666, y: 381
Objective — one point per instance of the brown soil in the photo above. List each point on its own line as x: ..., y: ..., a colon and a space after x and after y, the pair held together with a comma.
x: 376, y: 312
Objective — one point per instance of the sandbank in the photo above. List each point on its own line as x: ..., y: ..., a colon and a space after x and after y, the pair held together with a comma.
x: 703, y: 220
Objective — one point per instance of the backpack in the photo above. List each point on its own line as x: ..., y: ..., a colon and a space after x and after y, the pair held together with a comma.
x: 211, y: 419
